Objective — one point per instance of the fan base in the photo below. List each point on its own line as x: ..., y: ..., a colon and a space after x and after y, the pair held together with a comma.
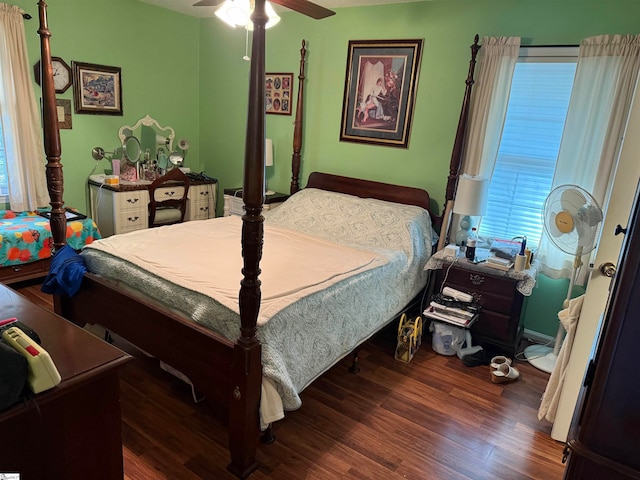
x: 541, y: 357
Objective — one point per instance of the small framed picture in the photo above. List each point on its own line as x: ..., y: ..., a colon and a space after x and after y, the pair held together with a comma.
x: 278, y: 93
x: 97, y: 89
x: 63, y: 108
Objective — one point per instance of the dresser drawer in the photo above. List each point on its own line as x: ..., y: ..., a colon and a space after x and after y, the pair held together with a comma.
x: 202, y: 202
x: 25, y: 271
x: 167, y: 193
x: 135, y: 200
x: 491, y: 292
x: 132, y: 220
x: 201, y: 211
x: 496, y: 326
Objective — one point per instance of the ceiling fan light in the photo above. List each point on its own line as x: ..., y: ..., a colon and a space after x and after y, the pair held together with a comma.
x: 272, y: 17
x: 234, y: 12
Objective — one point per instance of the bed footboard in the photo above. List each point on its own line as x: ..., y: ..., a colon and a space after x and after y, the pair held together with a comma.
x: 228, y: 374
x: 200, y: 354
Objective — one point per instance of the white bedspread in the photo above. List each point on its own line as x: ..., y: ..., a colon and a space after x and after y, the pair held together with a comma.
x: 387, y: 245
x: 293, y: 265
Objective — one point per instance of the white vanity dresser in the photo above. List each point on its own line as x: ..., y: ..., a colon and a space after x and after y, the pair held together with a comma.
x: 124, y: 208
x: 150, y: 147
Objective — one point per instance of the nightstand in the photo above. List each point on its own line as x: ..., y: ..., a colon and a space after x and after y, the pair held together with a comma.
x: 502, y: 296
x: 233, y: 204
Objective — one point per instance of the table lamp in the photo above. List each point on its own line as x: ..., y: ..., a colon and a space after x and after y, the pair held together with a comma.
x: 470, y: 201
x: 268, y: 161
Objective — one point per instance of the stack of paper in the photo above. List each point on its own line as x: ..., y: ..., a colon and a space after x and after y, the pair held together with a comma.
x: 498, y: 263
x: 453, y: 315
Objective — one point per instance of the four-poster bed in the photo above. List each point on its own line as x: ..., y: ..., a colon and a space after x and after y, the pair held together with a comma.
x: 228, y: 371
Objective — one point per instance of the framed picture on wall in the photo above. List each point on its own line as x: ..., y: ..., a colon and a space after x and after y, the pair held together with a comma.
x: 63, y: 108
x: 97, y: 89
x: 278, y: 93
x: 379, y: 91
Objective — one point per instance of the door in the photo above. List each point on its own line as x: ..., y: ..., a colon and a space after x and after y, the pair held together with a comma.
x: 588, y: 327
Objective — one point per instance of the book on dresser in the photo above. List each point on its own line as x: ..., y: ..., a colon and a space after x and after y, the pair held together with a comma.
x: 499, y: 263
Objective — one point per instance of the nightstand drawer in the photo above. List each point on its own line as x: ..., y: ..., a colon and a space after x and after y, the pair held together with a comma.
x: 486, y: 299
x: 496, y: 326
x: 470, y: 280
x: 491, y: 292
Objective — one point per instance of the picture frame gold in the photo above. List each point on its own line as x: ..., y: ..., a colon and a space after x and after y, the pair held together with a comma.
x: 97, y: 89
x: 379, y: 91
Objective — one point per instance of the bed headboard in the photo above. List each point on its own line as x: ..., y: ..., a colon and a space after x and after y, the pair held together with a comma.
x: 370, y: 189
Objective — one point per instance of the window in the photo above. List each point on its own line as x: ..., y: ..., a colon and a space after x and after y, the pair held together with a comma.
x: 525, y: 165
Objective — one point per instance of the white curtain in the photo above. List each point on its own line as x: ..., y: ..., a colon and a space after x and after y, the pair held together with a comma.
x: 21, y: 126
x: 606, y: 77
x: 497, y: 61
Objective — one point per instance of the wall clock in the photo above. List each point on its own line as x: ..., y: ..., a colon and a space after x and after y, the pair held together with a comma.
x: 62, y: 78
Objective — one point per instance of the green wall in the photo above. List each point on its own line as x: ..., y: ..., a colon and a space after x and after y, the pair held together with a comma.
x: 448, y: 27
x: 189, y: 73
x: 158, y: 53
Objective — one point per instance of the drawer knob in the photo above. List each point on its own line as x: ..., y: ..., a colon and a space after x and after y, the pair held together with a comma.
x: 133, y: 219
x: 132, y: 200
x: 169, y: 194
x: 206, y: 193
x: 476, y: 279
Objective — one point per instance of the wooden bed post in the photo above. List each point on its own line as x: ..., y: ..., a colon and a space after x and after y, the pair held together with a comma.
x: 297, y: 129
x: 246, y: 372
x: 51, y: 134
x: 458, y: 148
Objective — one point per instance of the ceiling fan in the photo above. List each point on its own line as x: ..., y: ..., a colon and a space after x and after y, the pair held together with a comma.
x: 302, y: 6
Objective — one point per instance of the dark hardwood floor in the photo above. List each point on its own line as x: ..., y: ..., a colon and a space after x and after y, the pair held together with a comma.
x: 433, y: 418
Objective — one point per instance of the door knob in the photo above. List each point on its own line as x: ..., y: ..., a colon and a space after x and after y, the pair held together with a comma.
x: 608, y: 269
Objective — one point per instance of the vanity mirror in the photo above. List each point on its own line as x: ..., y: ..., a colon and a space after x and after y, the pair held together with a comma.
x: 151, y: 134
x: 157, y: 153
x: 130, y: 150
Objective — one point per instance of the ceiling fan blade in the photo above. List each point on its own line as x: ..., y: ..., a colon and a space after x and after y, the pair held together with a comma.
x: 207, y: 3
x: 307, y: 8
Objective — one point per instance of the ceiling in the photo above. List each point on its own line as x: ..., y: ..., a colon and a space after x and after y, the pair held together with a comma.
x: 186, y: 6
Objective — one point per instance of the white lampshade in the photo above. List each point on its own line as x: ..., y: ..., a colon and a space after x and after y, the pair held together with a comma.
x: 268, y: 160
x: 471, y: 196
x: 237, y: 13
x: 268, y: 152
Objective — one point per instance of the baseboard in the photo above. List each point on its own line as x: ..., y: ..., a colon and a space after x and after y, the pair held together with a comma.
x: 537, y: 337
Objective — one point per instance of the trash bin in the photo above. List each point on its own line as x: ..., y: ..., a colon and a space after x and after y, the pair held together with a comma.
x: 446, y: 339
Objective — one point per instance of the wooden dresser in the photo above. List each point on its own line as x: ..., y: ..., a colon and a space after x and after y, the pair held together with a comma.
x: 124, y: 208
x: 72, y: 431
x: 501, y: 321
